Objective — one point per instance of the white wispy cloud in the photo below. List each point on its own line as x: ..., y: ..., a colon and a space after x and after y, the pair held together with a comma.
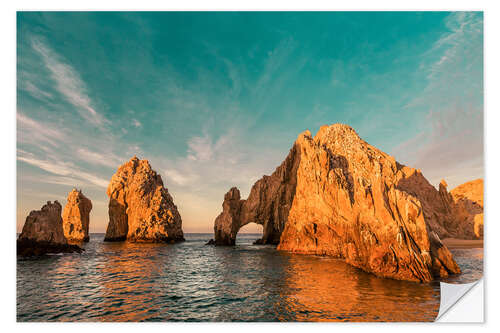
x: 136, y: 123
x: 98, y: 158
x: 214, y: 165
x: 34, y: 91
x: 200, y: 148
x: 68, y: 82
x: 178, y: 177
x: 60, y: 168
x: 33, y: 132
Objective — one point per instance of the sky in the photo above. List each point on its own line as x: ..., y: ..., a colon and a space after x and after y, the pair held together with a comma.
x: 215, y: 100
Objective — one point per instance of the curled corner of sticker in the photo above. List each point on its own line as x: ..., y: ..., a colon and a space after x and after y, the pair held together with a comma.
x: 451, y: 294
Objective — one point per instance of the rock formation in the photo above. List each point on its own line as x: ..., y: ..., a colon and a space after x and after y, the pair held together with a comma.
x: 140, y: 208
x: 337, y: 195
x: 268, y: 204
x: 76, y: 217
x: 43, y: 232
x: 468, y: 208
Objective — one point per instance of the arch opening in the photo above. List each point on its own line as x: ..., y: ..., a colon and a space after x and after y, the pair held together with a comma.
x: 249, y: 233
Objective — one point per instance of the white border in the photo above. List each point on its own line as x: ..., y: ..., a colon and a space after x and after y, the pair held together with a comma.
x: 8, y: 140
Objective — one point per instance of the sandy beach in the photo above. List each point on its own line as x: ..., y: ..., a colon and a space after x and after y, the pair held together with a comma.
x: 463, y: 243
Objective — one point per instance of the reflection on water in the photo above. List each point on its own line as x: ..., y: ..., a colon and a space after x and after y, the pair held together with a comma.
x: 328, y: 289
x: 193, y: 282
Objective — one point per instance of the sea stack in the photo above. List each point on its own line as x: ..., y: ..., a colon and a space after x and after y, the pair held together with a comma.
x: 337, y: 195
x: 43, y: 232
x: 140, y: 207
x: 76, y: 217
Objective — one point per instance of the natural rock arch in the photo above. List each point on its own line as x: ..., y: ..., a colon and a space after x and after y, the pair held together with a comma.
x: 268, y: 204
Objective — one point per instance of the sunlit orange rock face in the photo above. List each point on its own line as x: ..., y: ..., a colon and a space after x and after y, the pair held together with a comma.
x: 76, y: 217
x: 351, y: 201
x: 468, y: 201
x: 43, y: 232
x: 140, y: 207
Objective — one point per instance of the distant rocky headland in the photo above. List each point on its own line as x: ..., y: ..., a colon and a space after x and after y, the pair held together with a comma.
x: 337, y: 195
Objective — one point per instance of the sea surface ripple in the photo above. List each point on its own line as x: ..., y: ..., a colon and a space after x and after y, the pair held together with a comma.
x: 193, y: 282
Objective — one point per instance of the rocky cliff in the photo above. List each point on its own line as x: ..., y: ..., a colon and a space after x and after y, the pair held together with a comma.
x: 140, y: 207
x: 337, y: 195
x: 76, y: 217
x: 468, y: 202
x: 43, y: 232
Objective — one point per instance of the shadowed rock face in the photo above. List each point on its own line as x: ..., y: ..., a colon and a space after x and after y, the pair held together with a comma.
x: 349, y: 200
x: 453, y: 214
x: 268, y: 204
x: 140, y: 208
x: 43, y: 232
x: 76, y: 217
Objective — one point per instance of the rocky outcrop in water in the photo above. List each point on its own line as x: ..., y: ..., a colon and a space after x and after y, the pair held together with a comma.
x: 76, y: 217
x: 337, y: 195
x: 140, y: 207
x: 468, y: 202
x: 43, y: 232
x: 268, y: 204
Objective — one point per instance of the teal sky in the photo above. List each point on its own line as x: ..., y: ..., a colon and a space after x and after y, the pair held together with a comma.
x: 215, y: 100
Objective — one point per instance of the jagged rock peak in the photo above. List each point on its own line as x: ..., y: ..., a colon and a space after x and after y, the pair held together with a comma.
x: 76, y: 217
x: 140, y: 207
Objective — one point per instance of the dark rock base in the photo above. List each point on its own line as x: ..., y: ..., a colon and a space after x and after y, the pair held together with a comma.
x: 115, y: 239
x: 28, y: 248
x: 141, y: 240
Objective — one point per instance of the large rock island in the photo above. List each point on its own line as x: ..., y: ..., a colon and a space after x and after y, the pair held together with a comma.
x: 337, y: 195
x: 43, y: 232
x: 140, y: 207
x: 76, y: 217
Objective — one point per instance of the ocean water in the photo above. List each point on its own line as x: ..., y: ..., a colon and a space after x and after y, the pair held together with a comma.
x: 193, y: 282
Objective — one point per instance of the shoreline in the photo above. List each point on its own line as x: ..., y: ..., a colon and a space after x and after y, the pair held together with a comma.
x: 455, y: 243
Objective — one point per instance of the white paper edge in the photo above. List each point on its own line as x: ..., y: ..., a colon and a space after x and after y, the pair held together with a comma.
x: 462, y: 303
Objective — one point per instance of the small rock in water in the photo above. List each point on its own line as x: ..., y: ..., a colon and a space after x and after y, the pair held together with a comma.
x: 76, y: 217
